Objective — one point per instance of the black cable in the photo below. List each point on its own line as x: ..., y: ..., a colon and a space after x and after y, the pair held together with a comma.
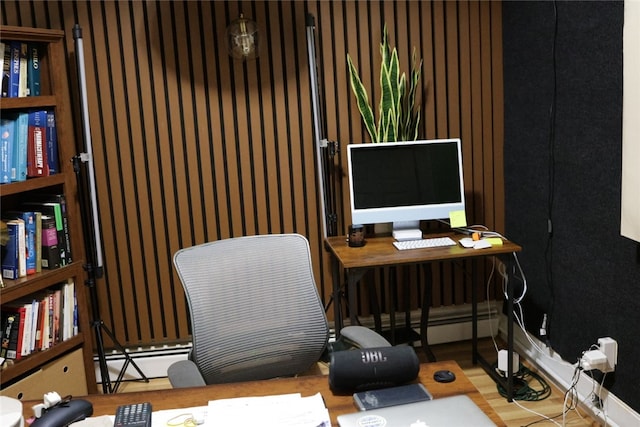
x: 523, y: 390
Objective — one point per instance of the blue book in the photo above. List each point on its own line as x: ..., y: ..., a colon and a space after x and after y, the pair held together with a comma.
x: 52, y: 144
x: 14, y: 70
x: 7, y: 135
x: 19, y: 160
x: 33, y: 70
x: 29, y: 219
x: 11, y: 252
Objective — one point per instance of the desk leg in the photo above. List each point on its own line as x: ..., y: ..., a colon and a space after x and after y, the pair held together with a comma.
x: 511, y: 278
x: 474, y: 323
x: 353, y: 277
x: 375, y: 308
x: 337, y: 299
x: 507, y: 383
x: 424, y: 316
x: 393, y: 289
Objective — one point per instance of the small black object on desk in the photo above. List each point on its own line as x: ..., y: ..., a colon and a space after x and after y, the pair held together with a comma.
x: 444, y: 376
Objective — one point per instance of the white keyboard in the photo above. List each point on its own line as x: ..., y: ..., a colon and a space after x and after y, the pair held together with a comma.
x: 434, y: 242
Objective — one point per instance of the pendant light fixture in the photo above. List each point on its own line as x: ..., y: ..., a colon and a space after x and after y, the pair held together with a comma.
x: 243, y: 39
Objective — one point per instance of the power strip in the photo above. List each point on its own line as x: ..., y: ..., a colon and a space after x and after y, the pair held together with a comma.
x: 503, y: 362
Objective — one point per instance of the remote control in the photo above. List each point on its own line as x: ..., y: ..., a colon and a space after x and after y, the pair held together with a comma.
x: 133, y: 415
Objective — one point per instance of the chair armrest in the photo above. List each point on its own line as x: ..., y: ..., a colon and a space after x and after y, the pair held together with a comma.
x: 363, y: 337
x: 185, y: 373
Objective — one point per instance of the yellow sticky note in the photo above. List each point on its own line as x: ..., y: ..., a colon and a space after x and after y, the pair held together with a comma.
x: 458, y: 219
x: 495, y: 241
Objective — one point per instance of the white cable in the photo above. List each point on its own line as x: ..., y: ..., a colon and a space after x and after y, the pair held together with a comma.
x: 536, y: 413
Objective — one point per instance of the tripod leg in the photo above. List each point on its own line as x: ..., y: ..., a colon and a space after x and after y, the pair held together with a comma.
x: 104, y: 370
x: 127, y: 357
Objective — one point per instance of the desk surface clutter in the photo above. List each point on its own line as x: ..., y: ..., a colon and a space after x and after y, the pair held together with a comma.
x: 307, y: 389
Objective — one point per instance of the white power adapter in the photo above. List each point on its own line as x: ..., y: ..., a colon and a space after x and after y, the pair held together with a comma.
x: 503, y: 361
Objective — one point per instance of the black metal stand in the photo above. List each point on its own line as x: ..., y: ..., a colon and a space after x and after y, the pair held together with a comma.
x: 92, y: 243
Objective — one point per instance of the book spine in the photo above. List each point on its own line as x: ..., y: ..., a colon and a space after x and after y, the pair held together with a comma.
x: 11, y: 256
x: 38, y: 218
x: 33, y: 72
x: 7, y: 143
x: 52, y: 144
x: 14, y: 345
x: 36, y: 151
x: 29, y: 219
x: 50, y: 250
x: 65, y: 227
x: 14, y: 70
x: 8, y: 321
x: 22, y: 249
x: 19, y: 166
x: 23, y: 87
x: 4, y: 67
x: 26, y: 333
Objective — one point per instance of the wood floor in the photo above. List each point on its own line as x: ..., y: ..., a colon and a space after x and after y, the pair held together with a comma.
x: 514, y: 414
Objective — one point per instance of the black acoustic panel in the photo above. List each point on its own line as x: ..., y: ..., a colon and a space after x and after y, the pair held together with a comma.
x: 595, y: 287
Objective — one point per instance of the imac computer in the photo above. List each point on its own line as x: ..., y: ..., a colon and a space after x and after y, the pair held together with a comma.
x: 405, y: 182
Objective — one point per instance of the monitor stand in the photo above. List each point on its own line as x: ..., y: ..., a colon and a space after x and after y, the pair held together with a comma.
x: 407, y: 230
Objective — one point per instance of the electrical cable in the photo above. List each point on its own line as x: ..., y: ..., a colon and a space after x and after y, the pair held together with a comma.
x: 522, y: 385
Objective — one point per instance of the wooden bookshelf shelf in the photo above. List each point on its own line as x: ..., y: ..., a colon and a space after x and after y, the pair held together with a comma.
x: 39, y: 286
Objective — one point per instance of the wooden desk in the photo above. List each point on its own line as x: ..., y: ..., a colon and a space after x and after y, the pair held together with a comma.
x: 106, y: 404
x: 380, y: 252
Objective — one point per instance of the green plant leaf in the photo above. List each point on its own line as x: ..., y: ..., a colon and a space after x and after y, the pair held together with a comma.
x: 362, y: 100
x: 398, y: 115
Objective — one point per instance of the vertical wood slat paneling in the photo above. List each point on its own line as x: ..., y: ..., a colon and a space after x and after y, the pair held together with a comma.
x: 191, y: 146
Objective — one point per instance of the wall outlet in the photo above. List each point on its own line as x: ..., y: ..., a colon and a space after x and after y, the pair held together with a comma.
x: 609, y: 347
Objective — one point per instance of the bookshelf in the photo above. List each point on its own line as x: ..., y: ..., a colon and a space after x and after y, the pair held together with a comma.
x: 19, y: 376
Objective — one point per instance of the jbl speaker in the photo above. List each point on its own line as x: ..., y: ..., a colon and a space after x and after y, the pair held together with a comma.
x: 372, y: 368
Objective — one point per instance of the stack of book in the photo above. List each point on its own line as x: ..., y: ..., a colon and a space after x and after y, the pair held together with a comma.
x: 28, y: 145
x: 39, y: 322
x: 20, y: 65
x: 35, y: 237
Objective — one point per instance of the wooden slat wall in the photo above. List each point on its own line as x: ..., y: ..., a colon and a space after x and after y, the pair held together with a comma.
x: 192, y: 146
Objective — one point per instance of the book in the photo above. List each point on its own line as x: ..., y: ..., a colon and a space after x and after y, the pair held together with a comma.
x: 22, y: 76
x: 50, y: 250
x: 5, y: 58
x: 37, y: 164
x: 54, y: 210
x: 29, y: 219
x: 26, y: 334
x: 64, y: 238
x: 38, y: 216
x: 19, y: 155
x: 52, y: 144
x: 18, y: 313
x: 8, y: 320
x: 33, y: 70
x: 14, y: 70
x: 7, y: 142
x: 13, y: 254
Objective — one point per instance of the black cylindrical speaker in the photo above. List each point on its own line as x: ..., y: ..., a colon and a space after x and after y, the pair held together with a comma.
x: 372, y: 368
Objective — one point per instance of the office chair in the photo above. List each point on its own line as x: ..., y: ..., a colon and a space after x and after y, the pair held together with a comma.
x: 255, y: 311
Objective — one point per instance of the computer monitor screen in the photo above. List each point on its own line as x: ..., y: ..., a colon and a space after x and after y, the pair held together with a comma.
x: 405, y: 181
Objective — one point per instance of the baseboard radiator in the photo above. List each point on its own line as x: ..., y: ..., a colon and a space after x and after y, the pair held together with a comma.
x: 446, y: 324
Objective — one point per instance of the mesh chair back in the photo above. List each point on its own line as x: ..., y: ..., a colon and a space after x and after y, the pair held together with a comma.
x: 254, y: 307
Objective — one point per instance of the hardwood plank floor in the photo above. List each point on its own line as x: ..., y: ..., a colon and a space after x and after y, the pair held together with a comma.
x: 514, y: 414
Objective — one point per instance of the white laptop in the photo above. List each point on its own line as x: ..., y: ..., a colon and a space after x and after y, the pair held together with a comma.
x: 455, y: 411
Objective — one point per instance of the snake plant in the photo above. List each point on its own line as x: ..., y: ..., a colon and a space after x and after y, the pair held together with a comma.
x: 398, y: 116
